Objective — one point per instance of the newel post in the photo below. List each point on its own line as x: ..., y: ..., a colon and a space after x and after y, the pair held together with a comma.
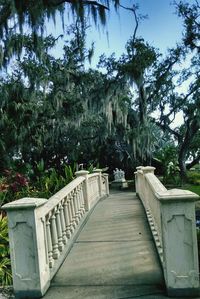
x: 106, y: 183
x: 137, y: 179
x: 29, y: 260
x: 181, y: 268
x: 99, y: 171
x: 84, y: 173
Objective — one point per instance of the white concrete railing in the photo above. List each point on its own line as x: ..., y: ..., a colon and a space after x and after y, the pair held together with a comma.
x: 41, y: 231
x: 171, y: 215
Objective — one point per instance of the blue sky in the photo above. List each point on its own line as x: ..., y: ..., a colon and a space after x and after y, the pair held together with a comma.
x: 162, y: 29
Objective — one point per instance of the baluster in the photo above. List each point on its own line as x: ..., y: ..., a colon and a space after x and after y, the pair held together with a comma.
x: 63, y: 223
x: 93, y: 189
x: 70, y: 213
x: 54, y: 235
x: 67, y: 218
x: 81, y: 200
x: 97, y: 191
x: 78, y: 203
x: 75, y: 193
x: 89, y: 192
x: 49, y: 242
x: 59, y: 229
x: 73, y: 223
x: 78, y: 199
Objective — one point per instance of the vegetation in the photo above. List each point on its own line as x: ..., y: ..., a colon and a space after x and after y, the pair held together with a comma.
x: 39, y: 182
x: 67, y: 113
x: 5, y: 267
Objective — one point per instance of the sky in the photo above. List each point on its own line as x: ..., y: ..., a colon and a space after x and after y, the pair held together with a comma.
x: 162, y: 28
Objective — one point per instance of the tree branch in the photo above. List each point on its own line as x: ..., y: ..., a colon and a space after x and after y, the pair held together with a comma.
x: 165, y: 127
x: 133, y: 10
x: 86, y: 2
x: 194, y: 162
x: 5, y: 13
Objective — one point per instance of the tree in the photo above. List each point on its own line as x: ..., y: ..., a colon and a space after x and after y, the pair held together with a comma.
x: 180, y: 89
x: 19, y: 16
x: 135, y: 67
x: 190, y: 15
x: 65, y: 112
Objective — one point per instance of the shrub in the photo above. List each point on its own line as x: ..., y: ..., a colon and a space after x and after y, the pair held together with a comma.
x: 193, y: 177
x: 172, y: 174
x: 5, y: 266
x: 41, y: 183
x: 11, y: 184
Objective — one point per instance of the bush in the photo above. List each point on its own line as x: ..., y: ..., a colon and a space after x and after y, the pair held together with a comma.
x: 5, y: 266
x: 193, y: 177
x: 41, y: 182
x: 172, y: 174
x: 11, y: 184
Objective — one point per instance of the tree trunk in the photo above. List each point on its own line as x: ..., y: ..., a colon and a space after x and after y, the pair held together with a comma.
x: 142, y: 104
x: 182, y: 166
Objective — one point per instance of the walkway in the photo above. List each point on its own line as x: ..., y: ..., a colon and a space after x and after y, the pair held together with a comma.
x: 113, y: 257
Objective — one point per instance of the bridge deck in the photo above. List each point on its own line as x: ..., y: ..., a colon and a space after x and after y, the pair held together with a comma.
x: 113, y: 257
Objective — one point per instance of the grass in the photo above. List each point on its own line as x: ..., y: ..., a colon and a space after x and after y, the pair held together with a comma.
x: 192, y: 188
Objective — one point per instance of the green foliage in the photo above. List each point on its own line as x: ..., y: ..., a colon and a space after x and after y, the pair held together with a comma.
x: 34, y: 15
x: 48, y: 182
x: 192, y: 188
x: 64, y: 113
x: 198, y: 242
x: 140, y: 57
x: 91, y: 167
x: 5, y: 266
x: 12, y: 184
x: 193, y: 177
x: 69, y: 172
x: 172, y: 174
x: 190, y: 15
x: 42, y: 182
x: 167, y: 159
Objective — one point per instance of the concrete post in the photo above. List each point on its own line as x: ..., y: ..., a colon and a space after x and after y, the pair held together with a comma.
x: 181, y: 267
x: 173, y: 217
x: 146, y: 169
x: 28, y: 249
x: 99, y: 171
x: 137, y: 181
x: 107, y: 184
x: 85, y: 173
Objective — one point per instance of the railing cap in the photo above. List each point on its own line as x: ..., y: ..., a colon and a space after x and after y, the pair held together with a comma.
x: 177, y: 195
x: 81, y: 173
x: 25, y: 203
x: 97, y: 170
x: 147, y: 169
x: 139, y: 167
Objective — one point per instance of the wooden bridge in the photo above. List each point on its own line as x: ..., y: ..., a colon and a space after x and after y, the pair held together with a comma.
x: 82, y: 243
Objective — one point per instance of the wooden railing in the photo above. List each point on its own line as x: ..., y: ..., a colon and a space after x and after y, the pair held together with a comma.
x: 171, y: 215
x: 41, y: 231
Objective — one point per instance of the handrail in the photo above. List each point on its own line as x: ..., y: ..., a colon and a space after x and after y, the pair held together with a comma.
x: 61, y: 194
x: 41, y: 231
x: 171, y: 215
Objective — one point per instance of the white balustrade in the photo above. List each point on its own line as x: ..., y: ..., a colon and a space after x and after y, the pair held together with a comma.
x: 93, y: 187
x: 41, y: 231
x: 171, y: 215
x: 105, y: 185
